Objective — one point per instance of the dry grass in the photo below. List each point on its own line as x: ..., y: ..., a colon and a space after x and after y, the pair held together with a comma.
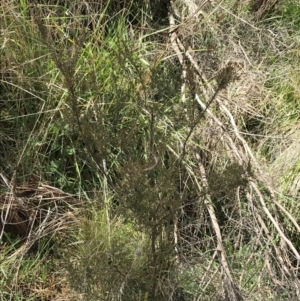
x: 172, y: 130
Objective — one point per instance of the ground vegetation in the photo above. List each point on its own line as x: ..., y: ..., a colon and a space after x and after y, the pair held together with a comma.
x: 149, y: 150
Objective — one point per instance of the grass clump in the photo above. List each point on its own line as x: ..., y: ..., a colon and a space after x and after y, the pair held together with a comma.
x: 31, y: 276
x: 109, y: 259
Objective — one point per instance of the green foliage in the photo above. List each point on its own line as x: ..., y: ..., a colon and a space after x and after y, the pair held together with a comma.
x: 290, y: 11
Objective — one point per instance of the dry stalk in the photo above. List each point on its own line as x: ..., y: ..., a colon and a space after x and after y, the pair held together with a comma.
x: 231, y: 291
x: 240, y: 152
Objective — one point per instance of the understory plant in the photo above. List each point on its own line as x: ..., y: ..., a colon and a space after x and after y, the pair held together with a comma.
x: 149, y: 152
